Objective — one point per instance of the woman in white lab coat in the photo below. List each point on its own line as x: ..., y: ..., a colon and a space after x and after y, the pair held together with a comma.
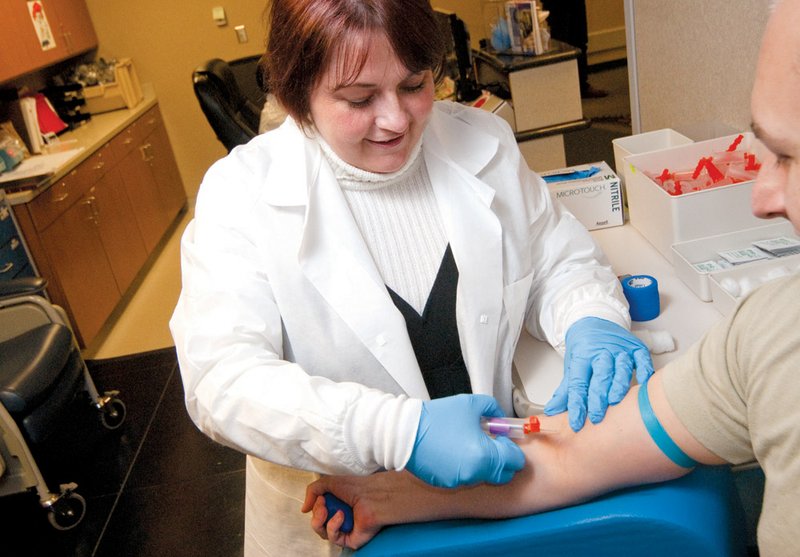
x: 355, y: 281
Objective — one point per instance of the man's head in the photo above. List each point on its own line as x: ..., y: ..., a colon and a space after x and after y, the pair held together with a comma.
x: 775, y: 106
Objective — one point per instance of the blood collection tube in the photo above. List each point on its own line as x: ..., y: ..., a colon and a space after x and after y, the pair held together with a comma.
x: 516, y: 428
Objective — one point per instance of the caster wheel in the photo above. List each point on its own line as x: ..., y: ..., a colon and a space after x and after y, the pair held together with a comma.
x: 112, y: 413
x: 67, y: 512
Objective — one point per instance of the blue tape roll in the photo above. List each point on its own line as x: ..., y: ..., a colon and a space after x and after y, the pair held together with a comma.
x: 641, y: 291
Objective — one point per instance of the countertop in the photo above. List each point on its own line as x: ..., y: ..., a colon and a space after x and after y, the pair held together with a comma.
x: 540, y: 368
x: 89, y: 137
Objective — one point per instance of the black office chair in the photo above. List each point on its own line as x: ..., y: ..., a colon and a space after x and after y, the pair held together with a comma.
x: 45, y: 387
x: 233, y: 116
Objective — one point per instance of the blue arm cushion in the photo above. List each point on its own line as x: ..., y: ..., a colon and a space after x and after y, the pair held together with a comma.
x: 696, y: 515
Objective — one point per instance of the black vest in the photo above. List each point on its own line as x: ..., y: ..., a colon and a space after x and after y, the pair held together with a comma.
x: 434, y: 334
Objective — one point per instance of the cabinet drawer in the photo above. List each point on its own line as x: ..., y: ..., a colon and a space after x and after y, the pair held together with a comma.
x: 101, y: 161
x: 149, y: 121
x: 59, y: 197
x: 7, y: 228
x: 13, y: 259
x: 127, y: 140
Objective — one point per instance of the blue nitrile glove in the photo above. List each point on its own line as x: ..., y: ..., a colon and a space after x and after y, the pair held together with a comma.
x: 598, y: 366
x: 451, y: 449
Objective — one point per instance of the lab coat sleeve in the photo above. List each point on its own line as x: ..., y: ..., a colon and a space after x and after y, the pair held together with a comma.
x: 239, y: 389
x: 572, y: 278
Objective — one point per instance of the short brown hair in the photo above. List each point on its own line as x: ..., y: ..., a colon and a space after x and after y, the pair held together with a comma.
x: 304, y: 34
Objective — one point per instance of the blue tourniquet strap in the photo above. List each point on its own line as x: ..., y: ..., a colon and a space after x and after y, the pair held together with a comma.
x: 658, y: 434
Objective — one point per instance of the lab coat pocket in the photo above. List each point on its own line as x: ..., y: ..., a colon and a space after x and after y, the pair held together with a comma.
x: 515, y: 300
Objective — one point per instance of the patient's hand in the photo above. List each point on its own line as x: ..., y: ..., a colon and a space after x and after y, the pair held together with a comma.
x: 373, y: 499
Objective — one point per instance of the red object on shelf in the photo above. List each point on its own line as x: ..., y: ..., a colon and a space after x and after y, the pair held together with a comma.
x: 49, y: 122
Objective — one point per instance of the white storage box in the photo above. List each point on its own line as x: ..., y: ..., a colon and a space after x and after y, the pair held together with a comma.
x: 665, y: 219
x: 595, y: 200
x: 752, y: 276
x: 690, y: 258
x: 647, y: 142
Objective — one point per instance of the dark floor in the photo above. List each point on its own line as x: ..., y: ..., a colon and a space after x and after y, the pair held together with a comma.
x: 156, y: 486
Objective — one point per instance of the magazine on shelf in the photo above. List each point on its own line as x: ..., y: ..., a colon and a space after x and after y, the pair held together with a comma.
x: 523, y: 28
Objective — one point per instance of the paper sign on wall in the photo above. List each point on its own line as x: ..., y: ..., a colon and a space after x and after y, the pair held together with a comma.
x: 41, y: 25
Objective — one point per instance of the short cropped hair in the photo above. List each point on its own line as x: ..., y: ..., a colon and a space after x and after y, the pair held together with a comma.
x: 304, y: 35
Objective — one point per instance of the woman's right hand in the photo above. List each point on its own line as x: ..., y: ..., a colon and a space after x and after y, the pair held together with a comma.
x: 452, y: 450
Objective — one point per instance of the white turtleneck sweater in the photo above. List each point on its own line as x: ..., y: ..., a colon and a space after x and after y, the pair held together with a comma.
x: 399, y: 219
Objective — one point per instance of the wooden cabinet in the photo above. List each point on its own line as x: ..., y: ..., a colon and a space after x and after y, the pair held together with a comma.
x: 162, y: 163
x: 12, y: 54
x: 71, y: 33
x: 75, y: 250
x: 151, y: 178
x: 113, y: 215
x: 92, y: 231
x: 74, y: 25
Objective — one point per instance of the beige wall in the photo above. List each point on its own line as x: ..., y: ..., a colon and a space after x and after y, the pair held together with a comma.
x: 696, y: 77
x: 606, y: 24
x: 166, y: 41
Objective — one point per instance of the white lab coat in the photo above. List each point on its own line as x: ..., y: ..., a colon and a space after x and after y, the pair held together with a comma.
x: 290, y: 347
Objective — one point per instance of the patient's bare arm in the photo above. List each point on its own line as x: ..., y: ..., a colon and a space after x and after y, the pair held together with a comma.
x: 562, y: 468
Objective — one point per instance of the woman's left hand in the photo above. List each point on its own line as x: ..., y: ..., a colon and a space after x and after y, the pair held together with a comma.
x: 598, y: 366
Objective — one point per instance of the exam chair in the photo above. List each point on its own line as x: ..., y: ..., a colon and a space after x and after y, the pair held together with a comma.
x: 44, y: 383
x: 698, y: 515
x: 232, y: 114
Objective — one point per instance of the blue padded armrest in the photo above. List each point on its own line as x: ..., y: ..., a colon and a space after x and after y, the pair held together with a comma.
x: 697, y: 515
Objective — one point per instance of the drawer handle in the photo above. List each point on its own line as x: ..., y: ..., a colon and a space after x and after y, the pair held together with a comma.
x: 94, y: 213
x: 63, y: 196
x: 8, y: 266
x: 147, y: 152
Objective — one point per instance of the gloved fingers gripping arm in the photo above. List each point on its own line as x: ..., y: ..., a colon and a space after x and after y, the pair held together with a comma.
x: 451, y: 449
x: 598, y: 366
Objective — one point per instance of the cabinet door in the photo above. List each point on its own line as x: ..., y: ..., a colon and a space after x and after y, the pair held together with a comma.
x: 116, y: 223
x: 165, y: 170
x: 71, y: 32
x: 12, y: 51
x: 74, y: 248
x: 142, y: 189
x: 41, y: 49
x: 74, y: 25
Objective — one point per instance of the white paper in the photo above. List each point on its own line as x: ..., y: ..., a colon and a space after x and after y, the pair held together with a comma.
x: 39, y: 165
x: 41, y: 25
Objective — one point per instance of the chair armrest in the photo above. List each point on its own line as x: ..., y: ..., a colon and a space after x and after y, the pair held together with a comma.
x: 697, y: 515
x: 22, y: 287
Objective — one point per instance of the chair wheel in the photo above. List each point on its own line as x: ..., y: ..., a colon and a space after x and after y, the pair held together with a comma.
x: 112, y: 413
x: 67, y: 511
